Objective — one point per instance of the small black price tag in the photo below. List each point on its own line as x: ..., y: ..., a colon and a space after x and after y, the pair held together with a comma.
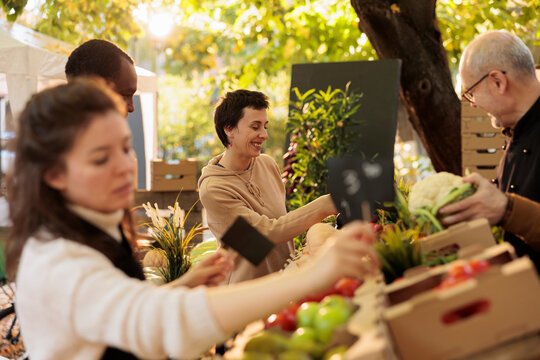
x: 359, y: 186
x: 247, y: 241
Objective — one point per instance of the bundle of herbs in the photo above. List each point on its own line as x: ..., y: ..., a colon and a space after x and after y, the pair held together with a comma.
x: 398, y: 250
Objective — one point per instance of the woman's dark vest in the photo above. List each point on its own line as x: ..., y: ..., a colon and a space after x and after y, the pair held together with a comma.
x: 121, y: 255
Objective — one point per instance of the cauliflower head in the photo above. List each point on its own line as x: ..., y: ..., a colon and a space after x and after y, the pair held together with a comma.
x: 431, y: 190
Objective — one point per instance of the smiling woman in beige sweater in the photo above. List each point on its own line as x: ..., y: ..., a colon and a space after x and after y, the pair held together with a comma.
x: 243, y: 182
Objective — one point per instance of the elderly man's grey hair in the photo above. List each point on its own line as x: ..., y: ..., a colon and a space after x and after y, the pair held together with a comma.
x: 499, y: 50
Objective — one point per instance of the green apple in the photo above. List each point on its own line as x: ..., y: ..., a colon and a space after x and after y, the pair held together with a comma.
x: 306, y: 313
x: 303, y: 334
x: 328, y: 318
x: 267, y: 342
x: 334, y: 300
x: 335, y: 353
x: 305, y: 340
x: 251, y: 355
x: 294, y: 355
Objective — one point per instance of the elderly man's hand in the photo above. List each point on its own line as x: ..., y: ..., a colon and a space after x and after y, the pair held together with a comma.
x: 488, y: 202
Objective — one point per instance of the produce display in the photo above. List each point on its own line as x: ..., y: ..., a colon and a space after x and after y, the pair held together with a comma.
x: 463, y: 272
x: 427, y: 303
x: 313, y: 328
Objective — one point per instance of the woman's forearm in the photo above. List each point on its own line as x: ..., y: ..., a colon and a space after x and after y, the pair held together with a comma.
x: 236, y: 305
x: 295, y: 222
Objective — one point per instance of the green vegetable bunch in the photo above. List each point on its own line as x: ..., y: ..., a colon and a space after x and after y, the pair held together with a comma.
x: 428, y: 218
x: 428, y: 196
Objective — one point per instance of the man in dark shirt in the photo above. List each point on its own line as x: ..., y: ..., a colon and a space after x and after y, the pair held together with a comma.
x: 104, y: 59
x: 497, y: 70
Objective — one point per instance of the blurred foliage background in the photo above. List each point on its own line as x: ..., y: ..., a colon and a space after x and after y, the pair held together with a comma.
x: 220, y: 45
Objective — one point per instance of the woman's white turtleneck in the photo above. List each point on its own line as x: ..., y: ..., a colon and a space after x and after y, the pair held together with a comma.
x: 106, y: 222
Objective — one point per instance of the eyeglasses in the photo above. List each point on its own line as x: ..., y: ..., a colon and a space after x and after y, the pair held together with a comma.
x: 468, y: 95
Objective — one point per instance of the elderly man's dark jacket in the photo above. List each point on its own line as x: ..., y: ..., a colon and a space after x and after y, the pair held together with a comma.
x: 519, y: 169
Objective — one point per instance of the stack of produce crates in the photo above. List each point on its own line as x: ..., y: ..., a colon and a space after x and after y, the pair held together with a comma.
x: 481, y: 143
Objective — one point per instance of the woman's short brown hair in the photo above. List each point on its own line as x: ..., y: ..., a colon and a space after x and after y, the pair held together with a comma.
x: 230, y: 110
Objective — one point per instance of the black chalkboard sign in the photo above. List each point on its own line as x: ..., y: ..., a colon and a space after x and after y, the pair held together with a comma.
x: 378, y: 81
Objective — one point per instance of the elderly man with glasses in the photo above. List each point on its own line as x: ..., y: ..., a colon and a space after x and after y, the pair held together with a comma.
x: 497, y: 70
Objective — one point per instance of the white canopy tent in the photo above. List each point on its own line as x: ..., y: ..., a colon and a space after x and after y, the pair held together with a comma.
x: 31, y: 61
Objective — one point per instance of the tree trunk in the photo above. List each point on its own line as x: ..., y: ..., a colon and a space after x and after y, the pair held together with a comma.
x: 408, y: 30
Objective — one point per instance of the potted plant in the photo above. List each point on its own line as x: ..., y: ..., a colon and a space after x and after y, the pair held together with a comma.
x: 170, y: 253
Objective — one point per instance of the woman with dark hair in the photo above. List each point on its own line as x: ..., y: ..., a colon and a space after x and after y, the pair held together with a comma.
x: 243, y: 182
x: 80, y: 293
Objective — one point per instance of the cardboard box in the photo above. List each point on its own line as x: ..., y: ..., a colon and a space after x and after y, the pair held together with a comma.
x: 476, y: 232
x: 496, y: 305
x: 174, y: 177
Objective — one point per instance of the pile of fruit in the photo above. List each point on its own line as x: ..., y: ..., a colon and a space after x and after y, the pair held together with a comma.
x: 462, y: 272
x: 313, y: 328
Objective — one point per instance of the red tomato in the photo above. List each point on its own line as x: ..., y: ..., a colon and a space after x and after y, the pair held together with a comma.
x: 273, y: 320
x: 347, y: 286
x: 288, y: 322
x: 479, y: 266
x: 285, y: 319
x: 293, y: 307
x: 461, y: 272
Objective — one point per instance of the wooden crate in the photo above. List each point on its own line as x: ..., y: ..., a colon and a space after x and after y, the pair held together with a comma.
x: 480, y: 158
x: 174, y: 177
x: 477, y: 125
x: 481, y: 143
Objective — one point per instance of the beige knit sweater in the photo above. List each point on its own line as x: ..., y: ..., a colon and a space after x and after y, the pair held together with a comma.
x: 258, y: 195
